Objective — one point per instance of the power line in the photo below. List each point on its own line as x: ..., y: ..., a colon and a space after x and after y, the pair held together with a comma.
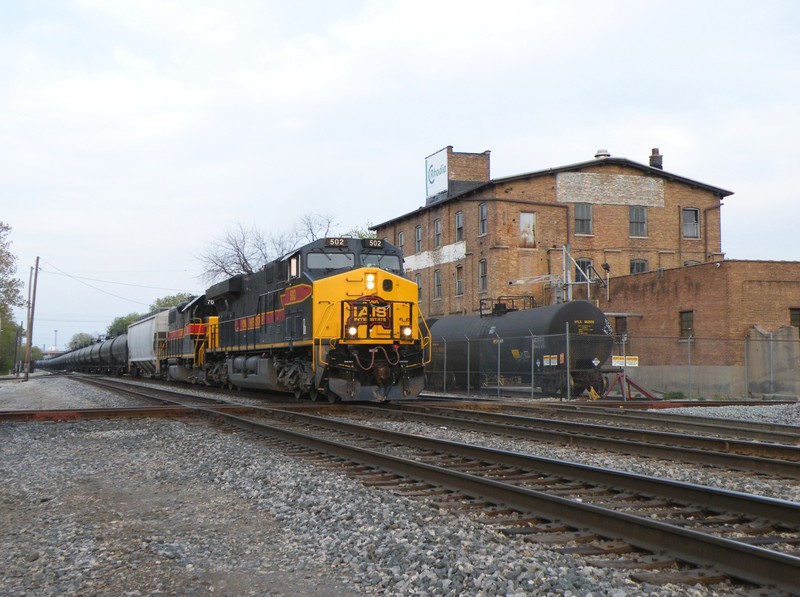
x: 81, y: 280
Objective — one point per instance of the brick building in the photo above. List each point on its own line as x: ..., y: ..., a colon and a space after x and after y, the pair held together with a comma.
x: 643, y: 243
x: 734, y: 322
x: 549, y: 230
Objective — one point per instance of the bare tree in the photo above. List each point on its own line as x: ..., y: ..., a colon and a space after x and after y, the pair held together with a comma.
x: 246, y: 250
x: 314, y: 226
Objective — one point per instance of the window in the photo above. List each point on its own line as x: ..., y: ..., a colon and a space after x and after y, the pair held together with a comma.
x: 638, y: 266
x: 638, y: 217
x: 687, y: 323
x: 583, y: 218
x: 437, y: 284
x: 483, y: 276
x: 294, y: 266
x: 330, y: 260
x: 459, y: 226
x: 401, y: 241
x: 690, y: 222
x: 794, y: 317
x: 418, y: 239
x: 459, y: 280
x: 437, y: 233
x: 586, y: 266
x: 390, y: 263
x: 418, y: 280
x: 483, y: 217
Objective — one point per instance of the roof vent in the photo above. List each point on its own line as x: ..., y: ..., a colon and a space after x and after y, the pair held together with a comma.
x: 602, y: 154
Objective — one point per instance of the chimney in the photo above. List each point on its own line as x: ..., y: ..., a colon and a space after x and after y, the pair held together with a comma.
x: 602, y: 154
x: 656, y: 159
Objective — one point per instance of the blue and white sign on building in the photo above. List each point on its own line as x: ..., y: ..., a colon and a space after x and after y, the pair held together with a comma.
x: 436, y: 173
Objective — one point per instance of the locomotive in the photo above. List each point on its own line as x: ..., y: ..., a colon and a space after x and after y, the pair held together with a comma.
x: 335, y: 318
x: 546, y: 346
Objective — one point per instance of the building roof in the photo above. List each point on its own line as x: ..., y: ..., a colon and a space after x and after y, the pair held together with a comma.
x: 721, y: 193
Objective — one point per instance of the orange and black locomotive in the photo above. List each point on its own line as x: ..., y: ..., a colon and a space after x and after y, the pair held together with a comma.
x: 333, y: 319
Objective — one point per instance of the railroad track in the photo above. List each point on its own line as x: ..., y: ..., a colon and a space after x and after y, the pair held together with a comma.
x: 738, y: 429
x: 689, y: 533
x: 753, y: 456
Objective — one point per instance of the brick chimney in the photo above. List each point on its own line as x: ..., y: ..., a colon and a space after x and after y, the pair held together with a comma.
x: 656, y: 159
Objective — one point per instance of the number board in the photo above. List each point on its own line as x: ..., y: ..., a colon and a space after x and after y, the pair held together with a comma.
x: 335, y: 242
x: 372, y: 243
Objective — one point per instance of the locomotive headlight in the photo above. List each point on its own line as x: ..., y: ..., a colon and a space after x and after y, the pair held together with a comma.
x: 370, y: 281
x: 406, y: 331
x: 352, y: 331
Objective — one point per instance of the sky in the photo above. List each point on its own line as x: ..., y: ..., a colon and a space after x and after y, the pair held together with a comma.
x: 133, y: 135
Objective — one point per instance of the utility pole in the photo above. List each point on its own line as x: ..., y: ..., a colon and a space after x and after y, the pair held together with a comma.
x: 31, y: 305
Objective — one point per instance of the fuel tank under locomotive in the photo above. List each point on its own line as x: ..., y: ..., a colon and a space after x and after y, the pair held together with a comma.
x: 468, y: 349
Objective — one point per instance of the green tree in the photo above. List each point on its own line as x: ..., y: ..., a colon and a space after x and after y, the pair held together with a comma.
x: 10, y: 335
x: 359, y: 232
x: 10, y: 296
x: 10, y: 287
x: 170, y: 301
x: 80, y: 340
x: 120, y: 325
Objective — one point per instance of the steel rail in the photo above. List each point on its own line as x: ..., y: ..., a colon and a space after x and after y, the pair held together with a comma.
x: 773, y: 432
x: 126, y: 412
x: 762, y: 507
x: 632, y: 441
x: 738, y: 560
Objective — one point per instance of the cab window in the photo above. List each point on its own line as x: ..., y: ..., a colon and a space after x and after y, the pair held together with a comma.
x: 330, y: 260
x: 386, y: 262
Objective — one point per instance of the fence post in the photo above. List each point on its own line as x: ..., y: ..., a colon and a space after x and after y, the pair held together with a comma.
x: 469, y: 345
x: 533, y: 362
x: 690, y: 364
x: 444, y: 368
x: 746, y: 367
x: 566, y: 369
x: 499, y: 342
x: 771, y: 365
x: 624, y: 388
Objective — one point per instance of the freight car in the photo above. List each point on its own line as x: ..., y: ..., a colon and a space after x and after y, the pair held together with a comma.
x: 109, y: 357
x: 544, y: 346
x: 335, y: 319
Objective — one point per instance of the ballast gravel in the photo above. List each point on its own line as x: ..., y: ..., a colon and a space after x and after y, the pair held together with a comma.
x: 159, y: 507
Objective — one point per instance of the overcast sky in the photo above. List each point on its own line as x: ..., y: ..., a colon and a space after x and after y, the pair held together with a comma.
x: 133, y: 134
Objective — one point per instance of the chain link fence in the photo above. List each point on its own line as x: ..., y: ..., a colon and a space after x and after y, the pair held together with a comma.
x: 760, y: 365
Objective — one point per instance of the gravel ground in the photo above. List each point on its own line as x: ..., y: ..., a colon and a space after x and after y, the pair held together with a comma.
x: 150, y: 507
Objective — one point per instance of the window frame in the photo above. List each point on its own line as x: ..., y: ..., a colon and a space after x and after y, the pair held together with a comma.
x: 437, y: 232
x: 586, y: 265
x: 437, y: 284
x: 696, y: 223
x: 418, y: 239
x: 401, y: 241
x: 686, y: 322
x: 583, y: 225
x: 638, y: 262
x: 483, y: 276
x: 459, y: 290
x: 637, y: 221
x: 483, y: 219
x: 459, y: 226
